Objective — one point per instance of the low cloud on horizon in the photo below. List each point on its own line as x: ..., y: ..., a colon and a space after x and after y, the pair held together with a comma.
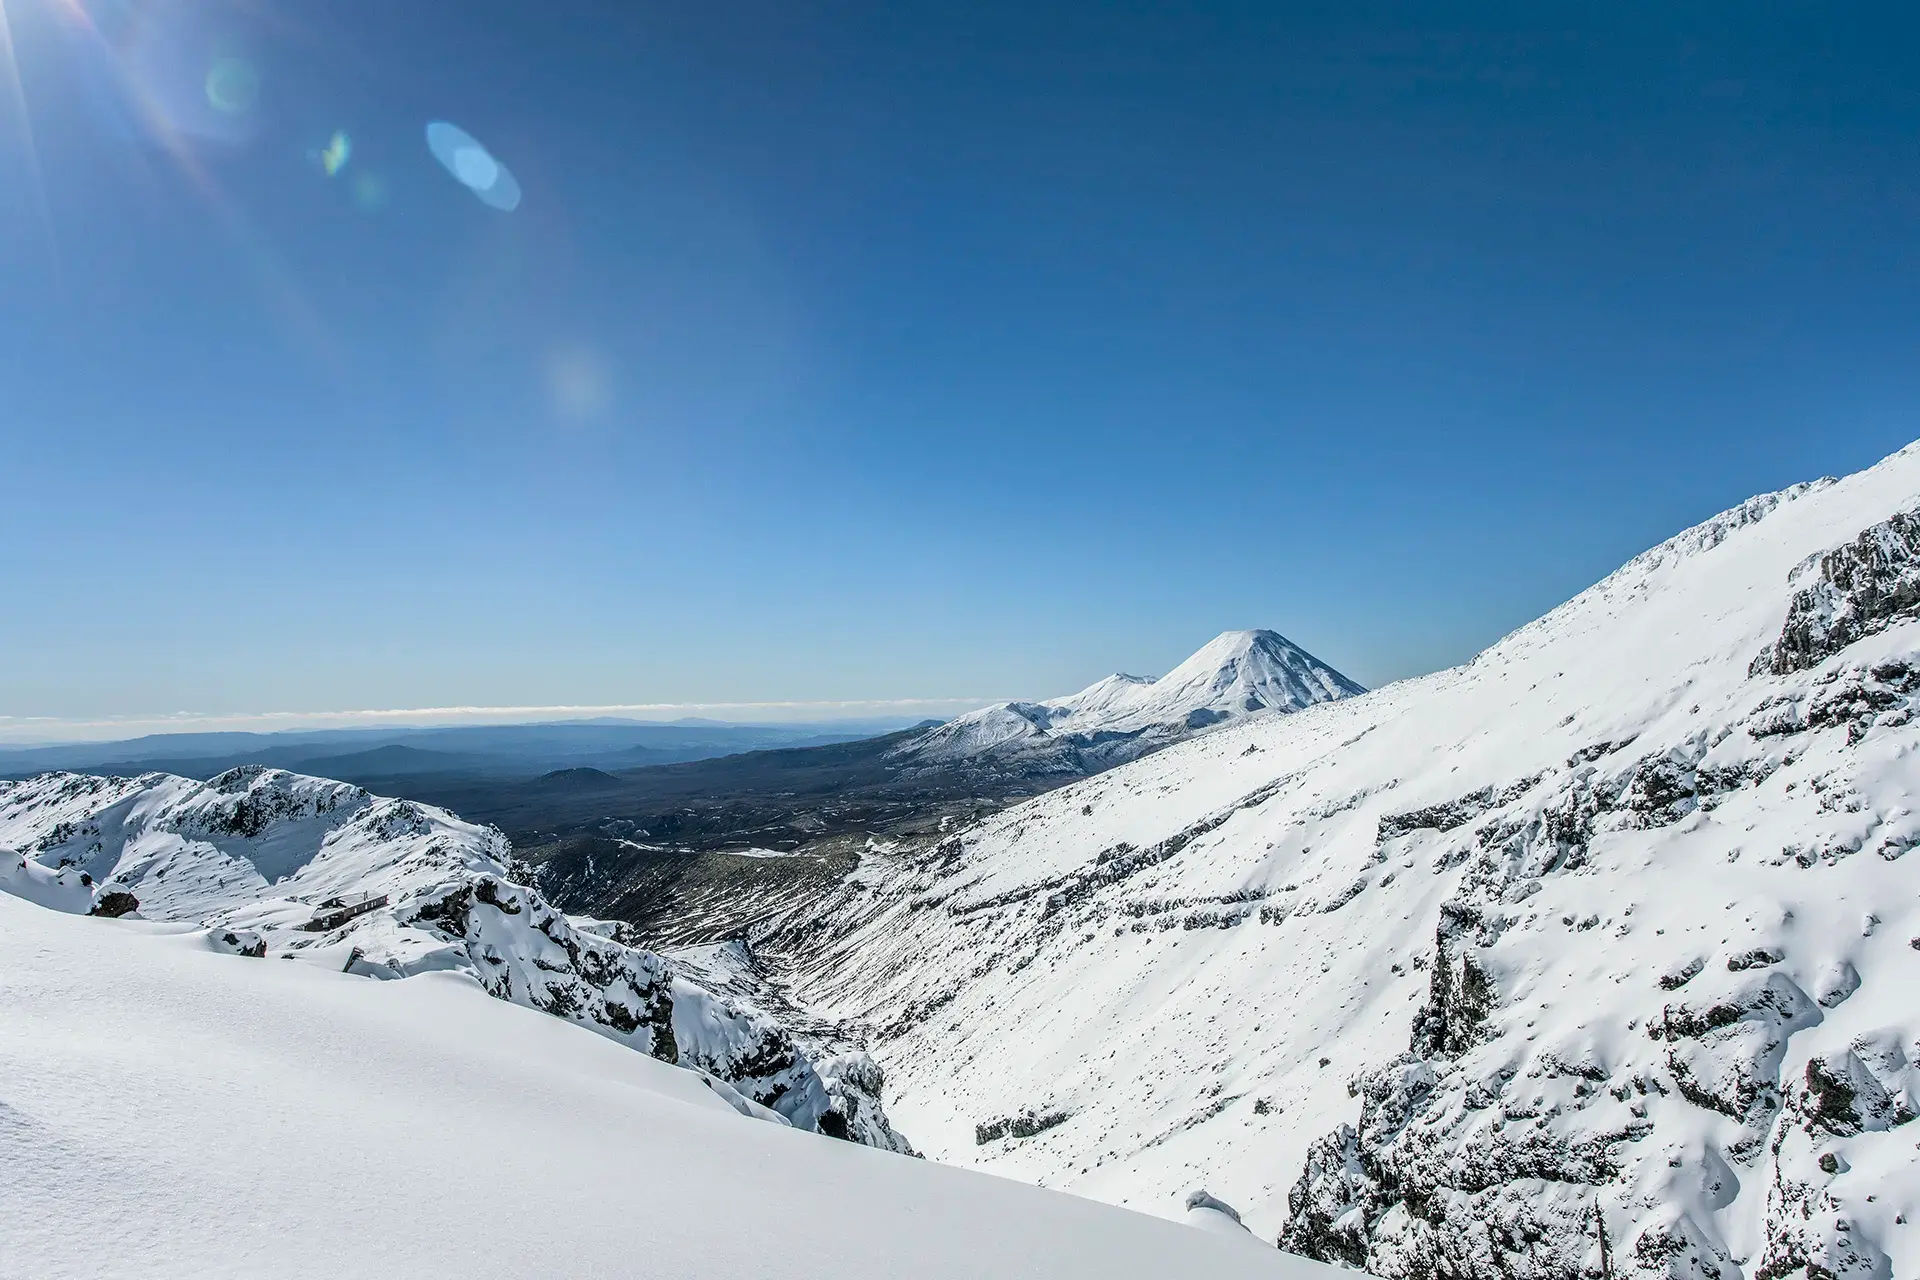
x: 50, y: 730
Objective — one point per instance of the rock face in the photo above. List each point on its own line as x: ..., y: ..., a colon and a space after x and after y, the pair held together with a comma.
x: 1236, y: 675
x: 1857, y: 590
x: 115, y: 903
x: 1590, y: 958
x: 276, y: 864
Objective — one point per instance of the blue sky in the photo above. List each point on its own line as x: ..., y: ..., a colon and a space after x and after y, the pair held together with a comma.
x: 848, y: 353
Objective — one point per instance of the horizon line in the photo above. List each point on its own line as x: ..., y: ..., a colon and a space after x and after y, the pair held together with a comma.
x: 28, y: 731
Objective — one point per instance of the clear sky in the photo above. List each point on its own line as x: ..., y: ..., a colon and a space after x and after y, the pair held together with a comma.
x: 887, y: 351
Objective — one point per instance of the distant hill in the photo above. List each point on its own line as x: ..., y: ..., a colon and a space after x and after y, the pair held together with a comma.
x: 490, y: 751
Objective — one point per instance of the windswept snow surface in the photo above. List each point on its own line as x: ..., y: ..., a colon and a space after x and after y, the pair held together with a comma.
x: 168, y: 1111
x: 1235, y: 675
x: 1599, y: 955
x: 277, y: 860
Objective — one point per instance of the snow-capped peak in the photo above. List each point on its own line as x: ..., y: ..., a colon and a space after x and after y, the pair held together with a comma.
x: 1241, y: 672
x: 1232, y: 676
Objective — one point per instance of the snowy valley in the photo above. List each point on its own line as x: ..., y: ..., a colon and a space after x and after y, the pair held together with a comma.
x: 1598, y: 956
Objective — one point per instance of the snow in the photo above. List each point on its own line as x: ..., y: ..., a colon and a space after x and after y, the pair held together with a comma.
x: 1209, y: 1213
x: 1415, y: 939
x: 167, y: 1111
x: 1235, y: 675
x: 61, y: 888
x: 1596, y: 955
x: 272, y: 860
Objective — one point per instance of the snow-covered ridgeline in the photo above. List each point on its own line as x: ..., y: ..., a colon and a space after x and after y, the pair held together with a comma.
x: 326, y: 873
x: 1234, y: 676
x: 1594, y: 956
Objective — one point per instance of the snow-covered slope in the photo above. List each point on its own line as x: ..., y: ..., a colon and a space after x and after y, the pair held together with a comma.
x: 1235, y: 675
x: 168, y: 1111
x: 325, y: 873
x: 1599, y: 955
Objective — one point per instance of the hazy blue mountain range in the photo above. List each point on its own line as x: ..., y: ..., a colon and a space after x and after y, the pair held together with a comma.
x: 489, y: 750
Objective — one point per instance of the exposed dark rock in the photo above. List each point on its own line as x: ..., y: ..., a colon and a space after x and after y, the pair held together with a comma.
x: 1851, y: 591
x: 855, y: 1084
x: 1449, y: 814
x: 1808, y: 1235
x: 1402, y: 1195
x: 113, y: 903
x: 1119, y: 862
x: 1843, y: 1096
x: 1460, y: 994
x: 1024, y: 1125
x: 1726, y: 1048
x: 1659, y: 791
x: 1683, y: 975
x: 1757, y: 958
x: 447, y: 913
x: 261, y: 797
x: 487, y: 890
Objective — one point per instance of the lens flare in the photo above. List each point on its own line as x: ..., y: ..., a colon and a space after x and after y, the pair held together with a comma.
x: 233, y: 86
x: 333, y: 157
x: 16, y: 98
x: 473, y: 166
x: 577, y: 383
x: 369, y: 191
x: 173, y: 96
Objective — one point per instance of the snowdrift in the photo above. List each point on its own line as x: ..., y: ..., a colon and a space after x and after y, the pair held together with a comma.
x: 167, y: 1111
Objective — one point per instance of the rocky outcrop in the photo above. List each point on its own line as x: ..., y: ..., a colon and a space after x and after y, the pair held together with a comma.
x: 1463, y: 1167
x: 322, y: 872
x: 854, y: 1084
x: 1813, y: 1228
x: 1460, y: 993
x: 1025, y: 1125
x: 1852, y: 591
x: 521, y: 949
x: 114, y: 903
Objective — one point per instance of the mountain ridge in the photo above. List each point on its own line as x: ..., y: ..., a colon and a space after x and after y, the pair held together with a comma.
x: 325, y: 873
x: 1603, y: 935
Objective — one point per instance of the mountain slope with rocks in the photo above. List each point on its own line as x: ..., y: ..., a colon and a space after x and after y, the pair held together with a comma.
x: 675, y: 850
x: 1235, y: 675
x: 280, y: 865
x: 1596, y: 956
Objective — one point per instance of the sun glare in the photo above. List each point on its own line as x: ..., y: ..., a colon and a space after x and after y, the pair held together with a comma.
x: 16, y: 107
